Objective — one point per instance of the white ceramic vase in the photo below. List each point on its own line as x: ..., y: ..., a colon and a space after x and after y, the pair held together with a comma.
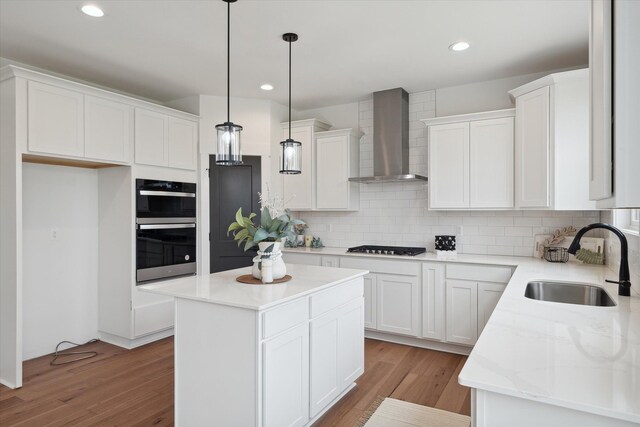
x: 278, y: 268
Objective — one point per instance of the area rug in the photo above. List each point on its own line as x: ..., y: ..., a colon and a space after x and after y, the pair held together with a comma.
x: 397, y: 413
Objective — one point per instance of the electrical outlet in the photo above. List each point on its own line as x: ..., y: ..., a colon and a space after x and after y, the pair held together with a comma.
x: 460, y: 231
x: 54, y: 234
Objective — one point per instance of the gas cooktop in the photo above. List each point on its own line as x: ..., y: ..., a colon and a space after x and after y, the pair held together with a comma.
x: 387, y: 250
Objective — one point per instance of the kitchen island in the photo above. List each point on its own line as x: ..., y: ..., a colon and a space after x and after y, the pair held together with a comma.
x: 265, y: 355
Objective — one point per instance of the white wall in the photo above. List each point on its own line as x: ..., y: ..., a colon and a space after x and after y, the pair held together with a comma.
x: 60, y: 276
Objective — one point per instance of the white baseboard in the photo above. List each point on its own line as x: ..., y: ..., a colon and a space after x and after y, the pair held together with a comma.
x: 136, y: 342
x: 417, y: 342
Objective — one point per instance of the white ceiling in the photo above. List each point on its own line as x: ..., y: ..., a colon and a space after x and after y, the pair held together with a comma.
x: 165, y: 50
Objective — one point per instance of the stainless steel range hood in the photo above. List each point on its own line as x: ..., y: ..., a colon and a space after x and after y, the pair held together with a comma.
x: 390, y: 139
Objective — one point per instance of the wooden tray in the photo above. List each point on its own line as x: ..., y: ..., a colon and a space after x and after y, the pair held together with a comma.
x: 250, y: 280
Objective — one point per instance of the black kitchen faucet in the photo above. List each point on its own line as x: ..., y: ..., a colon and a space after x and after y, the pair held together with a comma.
x: 624, y: 283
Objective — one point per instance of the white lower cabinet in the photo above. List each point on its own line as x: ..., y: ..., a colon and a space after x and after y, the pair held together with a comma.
x: 462, y: 312
x: 433, y: 299
x: 298, y: 258
x: 488, y: 296
x: 398, y: 304
x: 370, y: 290
x: 472, y: 294
x: 337, y: 359
x: 330, y: 261
x: 286, y: 378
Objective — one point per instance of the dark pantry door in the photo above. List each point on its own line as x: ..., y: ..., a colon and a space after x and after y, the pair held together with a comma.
x: 231, y: 187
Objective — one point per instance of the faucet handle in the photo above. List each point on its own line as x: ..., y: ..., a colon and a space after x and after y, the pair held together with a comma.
x: 612, y: 281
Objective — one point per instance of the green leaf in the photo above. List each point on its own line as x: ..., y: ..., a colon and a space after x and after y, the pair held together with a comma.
x: 248, y: 245
x: 252, y: 215
x: 265, y: 218
x: 242, y: 234
x: 239, y: 216
x: 234, y: 226
x: 260, y: 235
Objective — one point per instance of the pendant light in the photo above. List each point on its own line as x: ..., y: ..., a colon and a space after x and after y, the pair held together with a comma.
x: 291, y: 150
x: 228, y: 148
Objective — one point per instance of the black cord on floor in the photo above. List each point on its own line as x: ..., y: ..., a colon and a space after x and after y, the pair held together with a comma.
x: 62, y: 353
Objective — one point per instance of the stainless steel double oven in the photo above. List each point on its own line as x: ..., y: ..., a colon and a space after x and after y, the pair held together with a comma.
x: 165, y: 229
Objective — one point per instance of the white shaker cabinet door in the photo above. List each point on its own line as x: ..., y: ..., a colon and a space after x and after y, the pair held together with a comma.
x: 350, y: 342
x: 398, y: 304
x: 151, y: 138
x: 370, y: 291
x: 600, y: 60
x: 433, y: 298
x: 332, y: 185
x: 532, y: 149
x: 324, y: 378
x: 488, y: 296
x: 55, y: 120
x: 449, y: 166
x: 285, y: 383
x: 183, y: 143
x: 491, y: 163
x: 462, y: 312
x: 298, y: 189
x: 108, y: 130
x: 330, y: 261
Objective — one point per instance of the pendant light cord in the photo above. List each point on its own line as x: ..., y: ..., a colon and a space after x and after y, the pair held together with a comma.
x: 228, y: 59
x: 289, y: 89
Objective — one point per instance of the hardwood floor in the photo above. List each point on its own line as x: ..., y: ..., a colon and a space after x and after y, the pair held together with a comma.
x: 135, y: 387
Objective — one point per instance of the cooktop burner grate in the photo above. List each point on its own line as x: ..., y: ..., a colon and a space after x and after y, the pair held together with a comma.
x: 387, y: 250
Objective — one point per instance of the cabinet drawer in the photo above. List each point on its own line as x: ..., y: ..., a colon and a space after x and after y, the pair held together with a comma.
x: 477, y: 273
x: 153, y: 318
x: 282, y: 318
x: 305, y: 259
x: 336, y: 296
x: 376, y: 265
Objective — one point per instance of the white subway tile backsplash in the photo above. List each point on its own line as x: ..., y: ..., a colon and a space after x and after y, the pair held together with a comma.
x: 397, y: 214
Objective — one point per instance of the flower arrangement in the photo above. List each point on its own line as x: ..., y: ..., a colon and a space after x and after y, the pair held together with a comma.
x: 275, y: 224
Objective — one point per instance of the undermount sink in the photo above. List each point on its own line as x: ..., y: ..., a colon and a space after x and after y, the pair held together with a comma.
x: 568, y: 293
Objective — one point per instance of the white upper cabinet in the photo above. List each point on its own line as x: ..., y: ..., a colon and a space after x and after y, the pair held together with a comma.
x: 183, y: 143
x: 614, y: 86
x: 163, y: 140
x: 449, y: 166
x: 108, y: 130
x: 532, y: 149
x: 552, y: 142
x: 55, y: 120
x: 491, y: 163
x: 299, y: 190
x: 151, y: 138
x: 337, y: 159
x: 93, y: 127
x: 471, y: 161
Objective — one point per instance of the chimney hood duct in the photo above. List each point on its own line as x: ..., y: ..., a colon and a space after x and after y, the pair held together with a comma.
x: 390, y: 139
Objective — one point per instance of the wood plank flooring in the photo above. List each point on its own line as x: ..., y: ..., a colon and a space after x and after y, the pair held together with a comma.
x: 135, y: 387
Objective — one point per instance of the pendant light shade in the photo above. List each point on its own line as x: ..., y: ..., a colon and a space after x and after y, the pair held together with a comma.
x: 291, y: 157
x: 228, y: 151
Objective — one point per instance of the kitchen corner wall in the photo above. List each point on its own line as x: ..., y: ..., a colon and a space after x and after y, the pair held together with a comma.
x: 397, y: 214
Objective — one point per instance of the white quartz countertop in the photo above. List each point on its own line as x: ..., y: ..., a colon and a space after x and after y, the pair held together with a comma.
x: 581, y: 357
x: 222, y: 288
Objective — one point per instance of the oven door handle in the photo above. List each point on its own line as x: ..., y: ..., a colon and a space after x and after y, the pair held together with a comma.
x: 165, y: 193
x: 164, y: 226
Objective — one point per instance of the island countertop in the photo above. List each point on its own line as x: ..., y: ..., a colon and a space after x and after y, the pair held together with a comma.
x: 223, y: 289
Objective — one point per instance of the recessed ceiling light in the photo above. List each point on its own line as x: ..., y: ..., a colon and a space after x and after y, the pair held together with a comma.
x: 92, y: 10
x: 266, y: 86
x: 459, y: 46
